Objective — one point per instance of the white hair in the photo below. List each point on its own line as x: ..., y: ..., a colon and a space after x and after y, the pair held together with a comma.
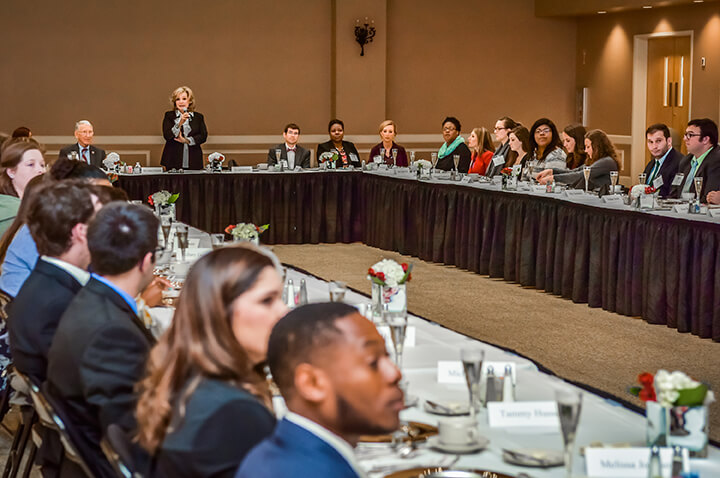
x: 82, y: 123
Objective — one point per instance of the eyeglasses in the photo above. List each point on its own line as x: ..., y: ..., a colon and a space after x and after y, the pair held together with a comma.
x: 448, y: 130
x: 498, y: 129
x: 543, y: 131
x: 158, y: 251
x: 690, y: 135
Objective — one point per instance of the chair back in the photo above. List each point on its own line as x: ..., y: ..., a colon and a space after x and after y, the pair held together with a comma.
x: 119, y: 451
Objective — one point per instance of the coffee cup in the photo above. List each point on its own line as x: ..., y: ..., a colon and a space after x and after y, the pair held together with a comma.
x: 457, y: 431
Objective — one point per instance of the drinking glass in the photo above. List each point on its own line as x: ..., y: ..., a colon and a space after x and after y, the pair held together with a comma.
x: 456, y: 161
x: 165, y: 226
x: 337, y: 291
x: 398, y: 327
x: 217, y: 240
x: 569, y: 403
x: 377, y: 160
x: 382, y: 154
x: 472, y: 359
x: 412, y: 157
x: 181, y: 231
x: 698, y: 188
x: 434, y: 159
x: 641, y: 178
x: 278, y: 153
x: 394, y: 153
x: 613, y: 180
x: 586, y: 174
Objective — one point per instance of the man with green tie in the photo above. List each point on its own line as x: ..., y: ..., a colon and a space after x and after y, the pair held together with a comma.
x: 663, y: 166
x: 702, y: 161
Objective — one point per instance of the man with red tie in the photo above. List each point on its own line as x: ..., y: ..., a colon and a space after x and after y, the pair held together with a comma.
x: 293, y: 154
x: 85, y: 150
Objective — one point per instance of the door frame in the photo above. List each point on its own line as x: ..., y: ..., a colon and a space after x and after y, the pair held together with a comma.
x: 639, y: 95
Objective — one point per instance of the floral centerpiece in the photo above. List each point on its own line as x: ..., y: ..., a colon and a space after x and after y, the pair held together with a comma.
x: 215, y: 161
x: 423, y: 168
x: 164, y: 202
x: 676, y: 409
x: 509, y: 178
x: 246, y: 232
x: 328, y: 159
x: 389, y: 280
x: 643, y: 196
x: 112, y: 162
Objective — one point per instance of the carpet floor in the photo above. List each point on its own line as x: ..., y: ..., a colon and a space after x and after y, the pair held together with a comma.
x: 584, y: 345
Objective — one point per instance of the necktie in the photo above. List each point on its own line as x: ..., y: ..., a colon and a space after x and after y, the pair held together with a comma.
x: 85, y: 155
x: 654, y: 172
x: 691, y: 176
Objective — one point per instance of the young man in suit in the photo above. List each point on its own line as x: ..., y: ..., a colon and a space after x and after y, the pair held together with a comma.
x: 88, y: 153
x: 702, y: 161
x: 100, y: 346
x: 338, y: 381
x: 293, y: 153
x: 665, y: 158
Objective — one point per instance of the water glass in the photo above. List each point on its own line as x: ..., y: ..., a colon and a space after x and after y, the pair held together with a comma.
x: 165, y: 227
x: 181, y: 231
x: 217, y: 240
x: 642, y: 177
x: 337, y: 291
x: 586, y: 174
x: 613, y: 180
x: 472, y: 359
x: 569, y: 404
x: 398, y: 327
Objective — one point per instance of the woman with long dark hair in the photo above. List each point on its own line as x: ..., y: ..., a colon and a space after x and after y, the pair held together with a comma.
x: 573, y: 139
x: 545, y: 145
x: 205, y: 401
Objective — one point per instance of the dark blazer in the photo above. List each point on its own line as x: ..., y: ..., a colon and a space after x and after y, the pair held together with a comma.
x: 222, y: 423
x: 173, y: 151
x: 302, y: 155
x: 447, y: 162
x: 503, y: 150
x: 599, y: 174
x: 294, y: 451
x: 401, y: 160
x: 96, y: 154
x: 32, y: 322
x: 96, y: 357
x: 347, y: 146
x: 708, y: 170
x: 668, y: 170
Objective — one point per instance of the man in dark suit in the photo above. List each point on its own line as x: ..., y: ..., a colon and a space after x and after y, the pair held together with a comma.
x: 100, y: 346
x: 290, y: 151
x: 85, y: 150
x: 333, y: 370
x: 665, y: 158
x: 701, y: 141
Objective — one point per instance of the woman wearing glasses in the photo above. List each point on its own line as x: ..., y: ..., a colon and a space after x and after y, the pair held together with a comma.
x: 503, y: 126
x: 546, y: 146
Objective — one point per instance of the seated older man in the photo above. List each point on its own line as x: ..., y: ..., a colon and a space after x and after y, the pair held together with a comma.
x: 338, y: 381
x: 86, y: 152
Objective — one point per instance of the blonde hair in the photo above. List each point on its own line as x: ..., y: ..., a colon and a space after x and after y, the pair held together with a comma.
x: 180, y: 90
x: 388, y: 123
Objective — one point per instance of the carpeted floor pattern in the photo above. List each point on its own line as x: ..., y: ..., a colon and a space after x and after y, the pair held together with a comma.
x: 581, y: 344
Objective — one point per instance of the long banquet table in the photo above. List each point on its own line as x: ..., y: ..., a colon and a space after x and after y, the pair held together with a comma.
x: 654, y: 264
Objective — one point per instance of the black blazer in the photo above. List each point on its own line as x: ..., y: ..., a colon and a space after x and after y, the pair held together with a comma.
x: 447, y: 162
x: 503, y: 150
x: 97, y: 356
x: 352, y: 152
x: 96, y: 154
x: 668, y: 170
x: 173, y: 151
x: 32, y: 322
x: 708, y: 170
x: 222, y: 423
x: 302, y: 155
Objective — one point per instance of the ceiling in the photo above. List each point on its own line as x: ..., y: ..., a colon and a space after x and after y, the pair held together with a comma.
x: 572, y: 8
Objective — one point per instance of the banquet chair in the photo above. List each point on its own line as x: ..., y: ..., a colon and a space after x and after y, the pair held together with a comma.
x: 22, y: 435
x: 118, y: 450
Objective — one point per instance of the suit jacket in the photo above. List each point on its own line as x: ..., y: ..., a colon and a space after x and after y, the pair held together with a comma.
x: 668, y: 170
x: 294, y: 451
x: 503, y: 150
x: 172, y: 154
x: 347, y: 146
x: 32, y: 322
x: 96, y: 154
x: 709, y: 170
x: 599, y: 174
x: 221, y: 424
x: 96, y: 357
x: 302, y: 155
x: 447, y: 163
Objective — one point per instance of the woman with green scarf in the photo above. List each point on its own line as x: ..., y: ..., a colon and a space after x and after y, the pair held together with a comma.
x: 454, y: 144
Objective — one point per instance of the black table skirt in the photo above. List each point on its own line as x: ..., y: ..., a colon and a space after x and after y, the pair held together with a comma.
x: 636, y: 264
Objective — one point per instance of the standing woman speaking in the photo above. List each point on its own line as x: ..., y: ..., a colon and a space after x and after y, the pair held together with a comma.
x: 184, y: 131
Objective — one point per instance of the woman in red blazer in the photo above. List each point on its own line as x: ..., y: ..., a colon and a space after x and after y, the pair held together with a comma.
x: 482, y: 149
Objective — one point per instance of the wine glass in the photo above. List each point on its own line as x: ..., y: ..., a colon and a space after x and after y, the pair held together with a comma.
x: 613, y: 180
x: 434, y: 160
x: 641, y: 178
x: 412, y: 157
x: 698, y: 188
x: 382, y: 154
x: 181, y: 231
x: 337, y: 291
x: 398, y: 327
x: 586, y: 174
x: 472, y: 359
x: 394, y: 153
x: 456, y: 161
x: 278, y: 153
x: 569, y: 403
x: 165, y: 226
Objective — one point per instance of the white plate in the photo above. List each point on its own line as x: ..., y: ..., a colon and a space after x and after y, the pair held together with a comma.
x: 480, y: 444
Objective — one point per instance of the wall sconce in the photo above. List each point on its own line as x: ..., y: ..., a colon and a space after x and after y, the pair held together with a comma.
x: 364, y: 33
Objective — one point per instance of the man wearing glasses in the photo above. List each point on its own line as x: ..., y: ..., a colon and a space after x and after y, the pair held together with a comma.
x: 86, y: 152
x: 702, y: 161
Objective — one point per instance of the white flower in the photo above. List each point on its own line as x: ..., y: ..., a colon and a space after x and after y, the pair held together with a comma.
x: 111, y: 160
x: 161, y: 197
x: 637, y: 190
x: 392, y: 270
x: 245, y: 231
x: 218, y: 157
x: 668, y: 385
x: 423, y: 164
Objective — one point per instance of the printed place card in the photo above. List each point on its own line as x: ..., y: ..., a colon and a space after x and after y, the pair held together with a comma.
x: 241, y: 169
x: 152, y: 170
x: 539, y: 188
x: 624, y: 462
x: 409, y: 336
x: 574, y: 192
x: 523, y: 414
x: 450, y: 371
x: 680, y: 208
x: 614, y: 199
x: 714, y: 212
x: 466, y: 179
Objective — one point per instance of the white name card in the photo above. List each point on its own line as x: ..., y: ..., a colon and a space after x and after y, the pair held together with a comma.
x: 450, y: 371
x: 194, y: 243
x: 680, y: 208
x: 539, y: 189
x: 409, y: 336
x: 574, y: 192
x: 657, y: 182
x: 522, y: 414
x: 613, y: 199
x: 193, y: 254
x: 152, y: 170
x: 714, y: 212
x: 625, y: 462
x: 466, y: 179
x: 241, y: 169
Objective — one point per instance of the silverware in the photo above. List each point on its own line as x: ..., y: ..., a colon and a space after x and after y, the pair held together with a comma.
x: 525, y: 457
x: 440, y: 407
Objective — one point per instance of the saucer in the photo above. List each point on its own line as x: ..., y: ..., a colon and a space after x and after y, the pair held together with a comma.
x: 480, y: 444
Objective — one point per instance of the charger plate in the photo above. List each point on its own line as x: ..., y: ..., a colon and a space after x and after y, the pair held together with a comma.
x: 414, y: 432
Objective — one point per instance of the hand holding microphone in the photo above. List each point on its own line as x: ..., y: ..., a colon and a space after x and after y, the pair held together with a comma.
x: 184, y: 116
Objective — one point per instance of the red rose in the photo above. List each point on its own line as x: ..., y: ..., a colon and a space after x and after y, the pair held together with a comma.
x: 646, y: 379
x: 404, y: 267
x: 150, y: 200
x: 650, y: 190
x: 647, y: 395
x: 371, y: 272
x: 229, y: 229
x: 381, y: 276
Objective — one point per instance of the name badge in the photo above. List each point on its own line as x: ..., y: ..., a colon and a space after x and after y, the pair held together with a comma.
x: 657, y: 182
x: 450, y: 371
x: 625, y: 462
x: 678, y: 179
x: 523, y: 414
x: 498, y: 160
x: 384, y: 330
x: 613, y: 199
